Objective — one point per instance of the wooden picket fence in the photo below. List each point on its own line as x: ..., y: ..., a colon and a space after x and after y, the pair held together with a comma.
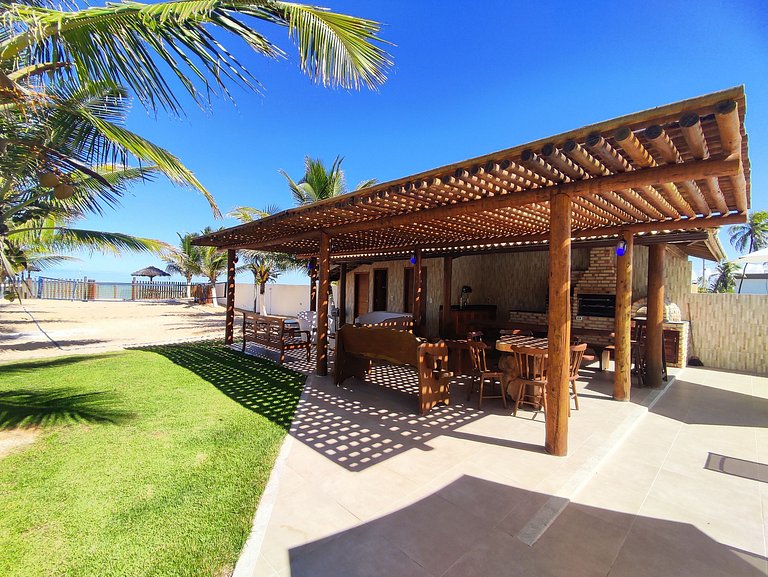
x: 88, y: 290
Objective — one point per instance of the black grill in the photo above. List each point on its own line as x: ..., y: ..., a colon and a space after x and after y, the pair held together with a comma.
x: 597, y: 305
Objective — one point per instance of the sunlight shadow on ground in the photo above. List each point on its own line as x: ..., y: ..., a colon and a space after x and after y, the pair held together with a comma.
x: 260, y: 386
x: 469, y: 527
x: 28, y: 408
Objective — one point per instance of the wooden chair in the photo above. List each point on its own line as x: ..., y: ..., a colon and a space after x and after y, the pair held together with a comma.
x: 484, y: 374
x: 515, y: 332
x: 577, y: 355
x: 531, y: 368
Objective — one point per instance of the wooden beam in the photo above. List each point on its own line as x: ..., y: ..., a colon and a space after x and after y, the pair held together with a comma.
x: 313, y: 284
x: 727, y: 118
x: 559, y: 315
x: 632, y: 179
x: 623, y: 359
x: 418, y: 295
x: 342, y: 295
x: 643, y: 227
x: 229, y: 319
x: 447, y: 286
x: 324, y: 274
x: 655, y: 320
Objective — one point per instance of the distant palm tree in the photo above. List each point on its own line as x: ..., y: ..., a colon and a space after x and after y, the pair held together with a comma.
x: 213, y: 262
x: 265, y: 267
x: 184, y: 260
x: 319, y: 182
x: 750, y: 236
x: 725, y: 280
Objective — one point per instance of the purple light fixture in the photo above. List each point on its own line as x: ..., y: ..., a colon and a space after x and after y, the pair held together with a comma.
x: 621, y: 248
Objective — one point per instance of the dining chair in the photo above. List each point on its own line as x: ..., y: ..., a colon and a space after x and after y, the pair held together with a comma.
x: 577, y: 354
x: 515, y: 332
x: 482, y: 374
x: 531, y: 367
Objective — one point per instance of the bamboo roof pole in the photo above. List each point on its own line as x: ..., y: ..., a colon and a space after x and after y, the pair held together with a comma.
x: 690, y: 126
x: 727, y: 118
x: 540, y: 166
x: 628, y: 201
x: 637, y: 152
x: 654, y: 197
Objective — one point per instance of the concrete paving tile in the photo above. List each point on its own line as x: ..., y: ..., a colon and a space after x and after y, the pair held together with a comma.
x: 656, y: 547
x: 432, y: 531
x: 359, y: 552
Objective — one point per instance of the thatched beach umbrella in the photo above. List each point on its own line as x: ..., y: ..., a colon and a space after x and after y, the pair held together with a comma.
x: 151, y: 272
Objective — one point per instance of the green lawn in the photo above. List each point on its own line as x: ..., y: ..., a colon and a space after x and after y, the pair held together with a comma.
x: 149, y: 462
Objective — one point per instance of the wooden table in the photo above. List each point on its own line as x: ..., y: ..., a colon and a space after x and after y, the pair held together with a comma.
x: 506, y: 362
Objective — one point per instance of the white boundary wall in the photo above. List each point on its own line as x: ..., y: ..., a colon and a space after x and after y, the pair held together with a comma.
x: 282, y: 299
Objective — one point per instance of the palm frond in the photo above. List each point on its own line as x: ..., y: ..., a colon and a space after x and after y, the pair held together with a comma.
x: 72, y: 239
x: 125, y: 42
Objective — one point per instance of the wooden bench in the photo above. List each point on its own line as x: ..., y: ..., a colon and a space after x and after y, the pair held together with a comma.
x: 272, y: 333
x: 356, y: 347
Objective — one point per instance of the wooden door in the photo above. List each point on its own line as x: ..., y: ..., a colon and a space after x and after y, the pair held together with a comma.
x: 409, y: 291
x: 361, y: 293
x: 380, y: 289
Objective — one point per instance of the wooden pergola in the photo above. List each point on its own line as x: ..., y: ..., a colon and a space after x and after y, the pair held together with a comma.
x: 679, y: 167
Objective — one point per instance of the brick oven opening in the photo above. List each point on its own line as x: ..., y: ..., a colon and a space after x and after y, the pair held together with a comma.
x: 594, y: 305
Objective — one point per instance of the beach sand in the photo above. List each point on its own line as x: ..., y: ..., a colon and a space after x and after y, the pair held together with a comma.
x: 46, y: 328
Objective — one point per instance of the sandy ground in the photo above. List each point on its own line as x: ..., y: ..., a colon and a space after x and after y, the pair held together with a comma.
x: 47, y: 328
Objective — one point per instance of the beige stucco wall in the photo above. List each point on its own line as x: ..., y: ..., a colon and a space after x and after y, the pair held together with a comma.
x: 729, y: 331
x: 511, y: 281
x: 395, y: 291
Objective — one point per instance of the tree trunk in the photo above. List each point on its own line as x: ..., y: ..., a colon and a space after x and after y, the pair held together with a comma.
x: 189, y: 287
x: 744, y: 270
x: 214, y: 298
x: 262, y: 299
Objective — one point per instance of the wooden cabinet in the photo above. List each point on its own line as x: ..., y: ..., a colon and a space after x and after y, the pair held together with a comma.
x: 460, y: 320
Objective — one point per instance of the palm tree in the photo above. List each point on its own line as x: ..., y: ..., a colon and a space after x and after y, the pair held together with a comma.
x: 750, y: 236
x: 61, y: 78
x: 36, y: 226
x: 725, y: 280
x: 184, y: 260
x: 213, y: 262
x: 132, y: 44
x: 265, y: 267
x: 319, y: 182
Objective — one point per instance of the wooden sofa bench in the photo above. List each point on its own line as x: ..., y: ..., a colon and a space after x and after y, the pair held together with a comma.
x: 356, y: 347
x: 272, y: 332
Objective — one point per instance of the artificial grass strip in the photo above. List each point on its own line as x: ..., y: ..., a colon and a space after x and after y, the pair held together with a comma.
x: 150, y: 462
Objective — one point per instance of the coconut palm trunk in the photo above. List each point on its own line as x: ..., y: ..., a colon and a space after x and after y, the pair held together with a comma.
x: 262, y: 298
x: 744, y: 268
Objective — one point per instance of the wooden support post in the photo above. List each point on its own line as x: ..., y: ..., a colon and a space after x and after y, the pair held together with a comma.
x: 229, y: 326
x: 447, y: 279
x: 558, y: 397
x: 324, y: 275
x: 313, y: 284
x: 654, y: 340
x: 417, y: 293
x: 342, y: 295
x: 622, y: 377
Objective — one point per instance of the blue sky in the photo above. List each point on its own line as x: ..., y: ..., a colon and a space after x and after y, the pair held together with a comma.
x: 468, y: 79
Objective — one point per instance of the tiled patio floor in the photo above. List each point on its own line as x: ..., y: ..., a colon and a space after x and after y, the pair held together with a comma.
x: 364, y: 487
